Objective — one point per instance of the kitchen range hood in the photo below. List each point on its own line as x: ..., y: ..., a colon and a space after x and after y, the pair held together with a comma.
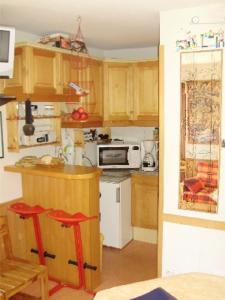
x: 5, y: 99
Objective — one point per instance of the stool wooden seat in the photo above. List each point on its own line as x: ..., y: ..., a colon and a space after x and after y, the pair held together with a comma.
x: 16, y: 274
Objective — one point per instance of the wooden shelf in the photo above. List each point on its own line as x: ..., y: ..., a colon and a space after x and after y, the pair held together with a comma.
x: 35, y: 117
x: 90, y: 122
x: 36, y: 145
x: 14, y: 129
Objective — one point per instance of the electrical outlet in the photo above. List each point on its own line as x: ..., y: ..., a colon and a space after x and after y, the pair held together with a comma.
x: 223, y: 143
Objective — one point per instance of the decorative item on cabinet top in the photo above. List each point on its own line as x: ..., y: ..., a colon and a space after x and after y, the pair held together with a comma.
x: 60, y: 40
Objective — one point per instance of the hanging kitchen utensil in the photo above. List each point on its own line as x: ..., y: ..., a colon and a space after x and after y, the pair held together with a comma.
x: 78, y: 43
x: 28, y: 128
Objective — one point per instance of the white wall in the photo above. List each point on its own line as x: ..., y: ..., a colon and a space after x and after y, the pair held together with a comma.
x: 22, y: 36
x: 10, y: 183
x: 132, y: 134
x: 174, y: 25
x: 139, y: 53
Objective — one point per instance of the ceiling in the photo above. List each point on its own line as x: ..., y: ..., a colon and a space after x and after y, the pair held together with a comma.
x: 106, y: 24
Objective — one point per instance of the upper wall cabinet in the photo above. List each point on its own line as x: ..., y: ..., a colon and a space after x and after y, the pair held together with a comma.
x: 88, y: 74
x: 146, y: 93
x: 36, y: 75
x: 118, y: 96
x: 131, y: 93
x: 43, y: 74
x: 69, y: 73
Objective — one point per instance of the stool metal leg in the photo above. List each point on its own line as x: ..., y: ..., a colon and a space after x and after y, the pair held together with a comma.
x: 37, y: 231
x: 79, y: 254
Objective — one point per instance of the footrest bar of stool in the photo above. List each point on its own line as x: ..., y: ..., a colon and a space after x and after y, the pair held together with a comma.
x: 32, y: 250
x: 85, y: 266
x: 46, y: 254
x: 72, y: 262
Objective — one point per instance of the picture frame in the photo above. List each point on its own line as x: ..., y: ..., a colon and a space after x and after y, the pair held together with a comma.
x: 1, y: 138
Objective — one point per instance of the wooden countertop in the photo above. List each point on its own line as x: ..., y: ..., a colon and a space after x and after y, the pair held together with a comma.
x: 63, y: 171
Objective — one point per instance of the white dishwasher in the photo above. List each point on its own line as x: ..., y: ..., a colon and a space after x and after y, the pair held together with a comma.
x: 115, y: 209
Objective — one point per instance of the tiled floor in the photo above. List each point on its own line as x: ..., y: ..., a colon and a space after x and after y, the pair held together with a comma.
x: 137, y: 261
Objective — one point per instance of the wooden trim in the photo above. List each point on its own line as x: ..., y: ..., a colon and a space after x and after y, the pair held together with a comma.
x: 161, y: 161
x: 61, y: 171
x: 18, y: 51
x: 197, y: 222
x: 117, y: 60
x: 42, y: 52
x: 116, y: 123
x: 78, y: 124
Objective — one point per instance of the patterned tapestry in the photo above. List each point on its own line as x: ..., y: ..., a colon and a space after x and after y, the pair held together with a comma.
x: 203, y: 111
x: 200, y: 130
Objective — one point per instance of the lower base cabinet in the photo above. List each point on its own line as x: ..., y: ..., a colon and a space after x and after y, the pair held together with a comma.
x: 144, y: 200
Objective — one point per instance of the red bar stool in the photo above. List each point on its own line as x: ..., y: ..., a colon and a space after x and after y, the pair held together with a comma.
x: 74, y: 220
x: 26, y: 211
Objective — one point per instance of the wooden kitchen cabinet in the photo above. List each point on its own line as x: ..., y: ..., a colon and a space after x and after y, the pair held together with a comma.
x: 15, y: 123
x: 144, y: 200
x: 146, y: 93
x: 1, y: 86
x: 89, y: 78
x: 118, y: 96
x: 93, y: 102
x: 131, y: 93
x: 69, y: 73
x: 36, y: 74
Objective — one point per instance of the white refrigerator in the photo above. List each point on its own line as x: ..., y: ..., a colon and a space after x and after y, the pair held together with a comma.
x: 115, y: 212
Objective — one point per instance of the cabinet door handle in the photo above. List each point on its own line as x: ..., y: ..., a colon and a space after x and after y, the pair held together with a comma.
x: 118, y: 195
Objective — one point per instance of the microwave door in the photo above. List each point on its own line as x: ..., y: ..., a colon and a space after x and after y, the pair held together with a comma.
x: 113, y: 156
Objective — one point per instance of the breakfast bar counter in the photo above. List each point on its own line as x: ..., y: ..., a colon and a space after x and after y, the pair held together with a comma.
x: 69, y: 188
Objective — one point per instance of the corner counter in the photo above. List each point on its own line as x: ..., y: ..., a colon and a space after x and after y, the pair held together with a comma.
x: 70, y: 188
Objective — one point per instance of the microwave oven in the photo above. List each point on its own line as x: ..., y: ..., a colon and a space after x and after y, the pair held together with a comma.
x: 119, y: 155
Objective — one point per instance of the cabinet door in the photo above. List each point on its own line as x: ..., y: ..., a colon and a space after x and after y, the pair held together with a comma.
x: 44, y: 71
x: 118, y: 95
x: 146, y: 93
x: 2, y: 85
x: 14, y: 86
x: 144, y: 199
x: 91, y: 79
x: 36, y: 74
x: 69, y: 74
